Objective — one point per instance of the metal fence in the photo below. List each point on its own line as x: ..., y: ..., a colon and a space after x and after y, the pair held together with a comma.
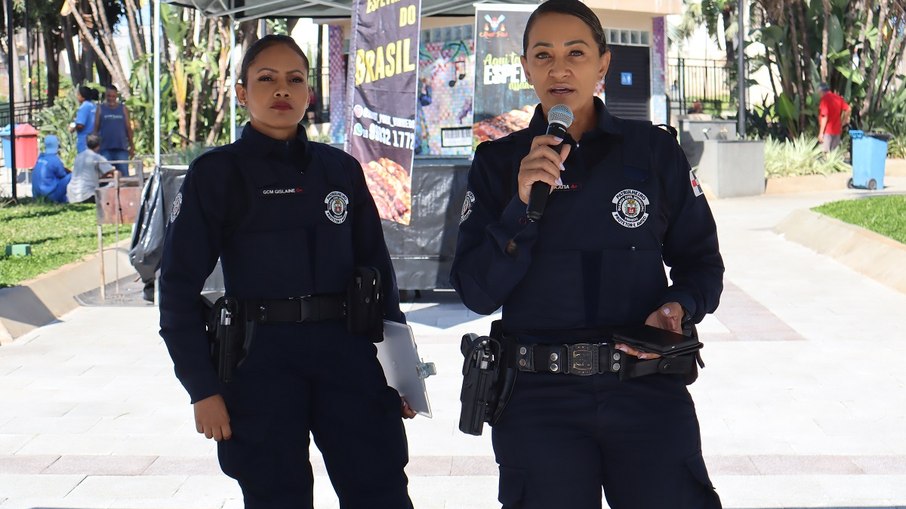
x: 25, y: 111
x: 708, y: 81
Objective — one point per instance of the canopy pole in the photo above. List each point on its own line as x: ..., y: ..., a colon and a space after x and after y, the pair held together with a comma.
x: 232, y: 83
x: 741, y: 69
x: 156, y: 51
x: 11, y: 66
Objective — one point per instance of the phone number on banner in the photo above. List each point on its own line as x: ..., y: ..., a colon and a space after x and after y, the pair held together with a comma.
x: 387, y: 136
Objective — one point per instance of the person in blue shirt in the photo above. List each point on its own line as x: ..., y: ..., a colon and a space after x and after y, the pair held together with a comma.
x: 84, y: 120
x: 290, y: 220
x: 624, y: 203
x: 112, y: 124
x: 49, y: 177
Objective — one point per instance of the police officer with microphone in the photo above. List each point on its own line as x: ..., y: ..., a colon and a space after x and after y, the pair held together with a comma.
x: 569, y: 233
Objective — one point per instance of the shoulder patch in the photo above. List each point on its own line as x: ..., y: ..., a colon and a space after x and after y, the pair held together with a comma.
x: 696, y: 185
x: 177, y: 205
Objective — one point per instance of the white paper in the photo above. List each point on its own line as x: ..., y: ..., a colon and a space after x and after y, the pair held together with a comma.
x: 398, y: 356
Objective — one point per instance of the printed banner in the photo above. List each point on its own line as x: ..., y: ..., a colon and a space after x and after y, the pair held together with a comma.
x: 446, y: 81
x: 504, y: 100
x: 381, y: 100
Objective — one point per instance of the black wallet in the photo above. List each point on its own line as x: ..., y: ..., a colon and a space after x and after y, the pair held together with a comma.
x: 653, y: 340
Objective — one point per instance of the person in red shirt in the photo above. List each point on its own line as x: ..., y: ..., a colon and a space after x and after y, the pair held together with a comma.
x: 833, y: 113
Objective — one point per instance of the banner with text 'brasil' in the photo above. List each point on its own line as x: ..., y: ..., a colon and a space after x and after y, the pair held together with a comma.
x: 381, y: 96
x: 504, y: 100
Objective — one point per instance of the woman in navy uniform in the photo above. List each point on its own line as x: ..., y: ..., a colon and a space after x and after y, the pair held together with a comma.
x: 624, y: 202
x: 290, y: 220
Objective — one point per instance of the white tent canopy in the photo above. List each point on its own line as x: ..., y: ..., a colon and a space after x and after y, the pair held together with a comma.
x: 242, y: 10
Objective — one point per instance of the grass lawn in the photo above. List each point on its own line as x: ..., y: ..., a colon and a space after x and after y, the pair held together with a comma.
x: 58, y: 234
x: 881, y: 214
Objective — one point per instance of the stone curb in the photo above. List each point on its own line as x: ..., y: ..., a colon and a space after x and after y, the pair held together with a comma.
x: 876, y: 256
x: 43, y: 300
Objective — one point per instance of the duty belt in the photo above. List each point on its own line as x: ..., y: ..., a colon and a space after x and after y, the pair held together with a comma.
x: 582, y: 359
x: 585, y: 359
x: 310, y: 308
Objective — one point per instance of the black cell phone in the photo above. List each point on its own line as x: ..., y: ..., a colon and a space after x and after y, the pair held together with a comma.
x: 653, y: 340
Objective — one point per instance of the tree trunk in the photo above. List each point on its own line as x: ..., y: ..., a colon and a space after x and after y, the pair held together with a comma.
x: 135, y: 31
x: 52, y: 61
x: 866, y: 47
x: 196, y: 91
x: 118, y: 77
x: 112, y: 57
x: 824, y: 36
x: 75, y: 66
x: 870, y: 85
x: 223, y: 89
x: 797, y: 63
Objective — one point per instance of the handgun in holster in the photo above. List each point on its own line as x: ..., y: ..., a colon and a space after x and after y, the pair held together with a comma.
x: 228, y: 335
x: 365, y: 304
x: 488, y: 380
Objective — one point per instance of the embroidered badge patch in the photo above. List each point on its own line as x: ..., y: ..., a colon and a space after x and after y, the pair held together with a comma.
x: 696, y: 185
x: 631, y: 208
x: 177, y: 204
x: 337, y: 207
x: 467, y: 206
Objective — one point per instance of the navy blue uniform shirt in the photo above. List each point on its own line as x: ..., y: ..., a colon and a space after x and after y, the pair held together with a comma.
x: 596, y: 258
x: 287, y: 219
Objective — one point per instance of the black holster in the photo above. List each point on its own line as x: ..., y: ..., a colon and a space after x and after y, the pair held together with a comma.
x: 365, y: 304
x: 228, y: 335
x: 488, y: 379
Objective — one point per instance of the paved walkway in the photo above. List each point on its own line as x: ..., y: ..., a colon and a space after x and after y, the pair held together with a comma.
x: 803, y: 402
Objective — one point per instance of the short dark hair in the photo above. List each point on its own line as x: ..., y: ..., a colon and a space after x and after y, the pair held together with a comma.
x: 262, y: 44
x: 570, y: 8
x: 824, y: 87
x: 93, y: 141
x: 112, y: 87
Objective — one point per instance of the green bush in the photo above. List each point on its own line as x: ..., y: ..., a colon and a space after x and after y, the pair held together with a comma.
x: 802, y: 156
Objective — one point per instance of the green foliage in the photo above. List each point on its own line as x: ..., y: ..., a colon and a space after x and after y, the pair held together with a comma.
x: 891, y: 118
x: 885, y: 215
x: 801, y: 156
x: 55, y: 120
x: 58, y: 234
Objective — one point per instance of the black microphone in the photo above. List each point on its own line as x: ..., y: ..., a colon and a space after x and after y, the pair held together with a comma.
x: 559, y: 118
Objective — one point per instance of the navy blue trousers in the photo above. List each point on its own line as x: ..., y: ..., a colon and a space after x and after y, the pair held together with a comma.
x: 562, y: 439
x: 301, y: 378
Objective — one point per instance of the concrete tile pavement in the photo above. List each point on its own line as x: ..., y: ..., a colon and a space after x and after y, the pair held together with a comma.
x: 802, y: 404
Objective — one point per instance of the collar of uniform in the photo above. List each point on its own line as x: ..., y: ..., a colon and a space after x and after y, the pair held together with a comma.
x: 264, y: 145
x: 606, y: 122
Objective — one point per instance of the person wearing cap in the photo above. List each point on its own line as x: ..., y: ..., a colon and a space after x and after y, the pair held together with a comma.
x: 622, y: 202
x: 833, y: 114
x: 49, y: 177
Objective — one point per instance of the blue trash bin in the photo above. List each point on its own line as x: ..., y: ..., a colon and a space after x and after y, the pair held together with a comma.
x: 869, y: 158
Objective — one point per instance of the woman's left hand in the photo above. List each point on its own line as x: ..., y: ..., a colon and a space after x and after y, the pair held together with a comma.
x: 406, y: 412
x: 667, y: 317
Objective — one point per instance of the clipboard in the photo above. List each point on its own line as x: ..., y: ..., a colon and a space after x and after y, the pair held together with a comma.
x: 403, y: 368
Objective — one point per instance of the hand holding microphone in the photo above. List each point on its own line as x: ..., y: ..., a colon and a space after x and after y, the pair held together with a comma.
x: 541, y: 168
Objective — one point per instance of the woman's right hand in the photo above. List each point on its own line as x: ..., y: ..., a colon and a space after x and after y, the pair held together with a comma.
x: 212, y: 418
x: 542, y: 163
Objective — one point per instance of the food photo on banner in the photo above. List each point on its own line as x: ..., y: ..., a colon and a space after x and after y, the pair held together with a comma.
x: 382, y: 101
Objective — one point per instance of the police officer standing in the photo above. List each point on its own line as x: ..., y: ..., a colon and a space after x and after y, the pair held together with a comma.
x: 290, y: 220
x: 624, y: 202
